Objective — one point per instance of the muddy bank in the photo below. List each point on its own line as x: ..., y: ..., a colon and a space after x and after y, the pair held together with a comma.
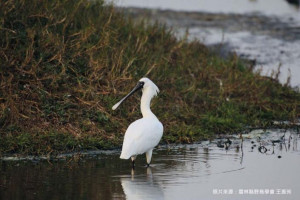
x: 256, y: 24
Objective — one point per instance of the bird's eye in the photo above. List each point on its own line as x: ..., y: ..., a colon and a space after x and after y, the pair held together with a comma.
x: 141, y: 83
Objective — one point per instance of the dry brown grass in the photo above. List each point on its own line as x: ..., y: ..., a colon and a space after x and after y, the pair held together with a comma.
x: 64, y: 63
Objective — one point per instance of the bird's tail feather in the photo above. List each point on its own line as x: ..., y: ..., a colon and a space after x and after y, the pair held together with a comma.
x: 124, y: 156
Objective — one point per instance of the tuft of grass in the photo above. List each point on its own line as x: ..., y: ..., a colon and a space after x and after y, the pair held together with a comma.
x: 64, y: 63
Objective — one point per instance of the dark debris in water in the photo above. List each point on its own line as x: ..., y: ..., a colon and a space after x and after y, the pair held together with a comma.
x: 262, y: 140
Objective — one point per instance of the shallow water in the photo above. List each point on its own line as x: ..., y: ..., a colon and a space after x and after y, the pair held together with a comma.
x: 198, y: 171
x: 266, y: 31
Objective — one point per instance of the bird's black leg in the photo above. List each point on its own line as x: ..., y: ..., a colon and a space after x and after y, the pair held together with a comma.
x: 148, y: 164
x: 133, y: 164
x: 133, y: 161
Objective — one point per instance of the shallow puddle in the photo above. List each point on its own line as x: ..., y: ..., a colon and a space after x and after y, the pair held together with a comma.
x: 254, y: 169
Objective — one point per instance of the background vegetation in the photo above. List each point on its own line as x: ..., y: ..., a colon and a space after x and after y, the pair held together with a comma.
x: 65, y: 63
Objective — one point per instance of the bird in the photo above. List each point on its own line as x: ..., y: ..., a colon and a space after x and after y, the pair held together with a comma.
x: 143, y: 134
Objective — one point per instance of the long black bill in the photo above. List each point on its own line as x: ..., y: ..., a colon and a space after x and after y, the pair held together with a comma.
x: 136, y: 88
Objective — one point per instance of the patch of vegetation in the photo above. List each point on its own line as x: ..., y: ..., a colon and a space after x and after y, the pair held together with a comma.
x: 64, y: 63
x: 51, y: 143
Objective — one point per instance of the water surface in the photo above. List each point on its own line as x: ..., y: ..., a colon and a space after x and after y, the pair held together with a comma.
x: 198, y: 171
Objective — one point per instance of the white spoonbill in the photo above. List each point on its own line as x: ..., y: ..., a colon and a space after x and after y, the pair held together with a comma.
x: 144, y: 134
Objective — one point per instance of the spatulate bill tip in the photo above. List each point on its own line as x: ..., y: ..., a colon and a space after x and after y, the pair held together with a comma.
x: 115, y: 106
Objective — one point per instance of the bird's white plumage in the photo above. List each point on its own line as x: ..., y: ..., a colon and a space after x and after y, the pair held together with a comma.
x: 143, y: 134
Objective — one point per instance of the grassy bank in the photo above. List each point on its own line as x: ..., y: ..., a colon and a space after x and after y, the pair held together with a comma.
x: 64, y: 64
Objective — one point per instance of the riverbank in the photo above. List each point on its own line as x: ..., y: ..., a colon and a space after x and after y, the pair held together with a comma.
x: 66, y: 63
x: 271, y: 43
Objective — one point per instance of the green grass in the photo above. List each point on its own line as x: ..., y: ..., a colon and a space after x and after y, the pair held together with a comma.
x: 65, y: 63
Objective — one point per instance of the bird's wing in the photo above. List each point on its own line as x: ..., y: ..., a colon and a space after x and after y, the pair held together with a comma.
x: 141, y: 136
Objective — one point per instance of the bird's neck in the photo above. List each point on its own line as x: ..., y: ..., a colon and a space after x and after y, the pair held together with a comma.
x: 145, y: 104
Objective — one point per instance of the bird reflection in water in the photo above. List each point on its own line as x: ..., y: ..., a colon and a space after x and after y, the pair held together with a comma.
x: 141, y: 186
